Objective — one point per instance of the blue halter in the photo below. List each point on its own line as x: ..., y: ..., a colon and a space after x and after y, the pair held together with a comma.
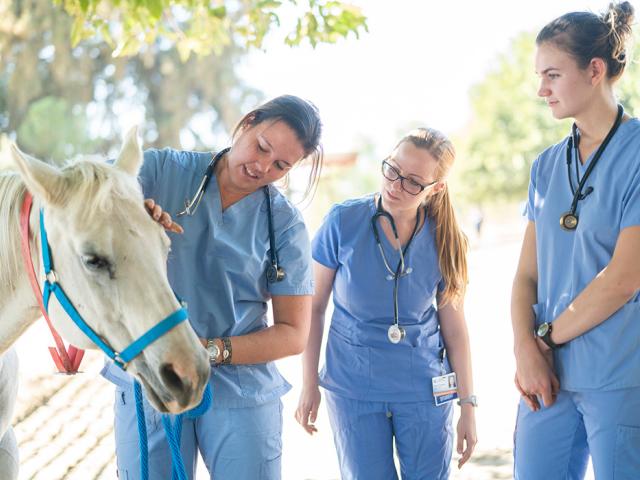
x: 123, y: 358
x: 173, y: 429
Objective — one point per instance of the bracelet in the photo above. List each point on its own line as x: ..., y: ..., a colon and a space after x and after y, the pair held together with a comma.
x: 470, y: 400
x: 227, y: 351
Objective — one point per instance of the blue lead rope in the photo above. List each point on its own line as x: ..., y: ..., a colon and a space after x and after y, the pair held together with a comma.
x: 142, y: 432
x: 172, y: 425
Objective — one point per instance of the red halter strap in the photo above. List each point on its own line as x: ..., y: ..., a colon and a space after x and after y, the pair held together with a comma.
x: 67, y: 361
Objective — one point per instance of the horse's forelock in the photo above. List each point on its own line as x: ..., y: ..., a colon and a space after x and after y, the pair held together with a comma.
x: 98, y: 188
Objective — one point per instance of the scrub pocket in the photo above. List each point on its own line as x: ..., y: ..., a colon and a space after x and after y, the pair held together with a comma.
x: 261, y: 382
x: 627, y: 455
x: 126, y: 427
x: 346, y: 364
x: 248, y: 444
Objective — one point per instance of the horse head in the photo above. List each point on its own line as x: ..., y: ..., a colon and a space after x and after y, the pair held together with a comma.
x: 110, y: 259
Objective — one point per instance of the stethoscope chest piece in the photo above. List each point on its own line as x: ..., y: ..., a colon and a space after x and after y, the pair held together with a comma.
x: 275, y: 274
x: 395, y: 333
x: 569, y: 221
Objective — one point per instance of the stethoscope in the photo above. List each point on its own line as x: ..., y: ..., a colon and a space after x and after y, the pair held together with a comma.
x: 275, y: 273
x: 395, y: 333
x: 569, y: 220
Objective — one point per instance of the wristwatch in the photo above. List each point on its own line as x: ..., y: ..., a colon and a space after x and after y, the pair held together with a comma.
x: 543, y: 332
x: 214, y: 351
x: 471, y: 400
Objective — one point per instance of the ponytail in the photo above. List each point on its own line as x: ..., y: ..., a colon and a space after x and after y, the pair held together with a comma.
x: 452, y: 246
x: 451, y: 242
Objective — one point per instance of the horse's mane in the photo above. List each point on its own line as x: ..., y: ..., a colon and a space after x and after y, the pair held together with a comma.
x: 11, y: 191
x: 91, y: 188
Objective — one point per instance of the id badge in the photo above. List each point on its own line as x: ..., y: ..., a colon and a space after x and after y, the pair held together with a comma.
x: 445, y: 388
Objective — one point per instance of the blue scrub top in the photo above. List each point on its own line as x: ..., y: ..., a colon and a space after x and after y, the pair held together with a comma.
x: 608, y: 356
x: 218, y: 266
x: 361, y: 362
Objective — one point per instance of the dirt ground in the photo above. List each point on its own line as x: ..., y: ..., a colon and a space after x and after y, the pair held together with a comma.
x: 64, y: 424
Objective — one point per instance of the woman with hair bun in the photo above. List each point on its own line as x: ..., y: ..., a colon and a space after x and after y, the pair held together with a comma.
x: 575, y: 300
x: 396, y: 264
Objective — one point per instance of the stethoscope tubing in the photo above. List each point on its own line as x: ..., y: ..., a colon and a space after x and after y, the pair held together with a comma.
x: 400, y: 268
x: 190, y: 206
x: 275, y: 273
x: 572, y: 146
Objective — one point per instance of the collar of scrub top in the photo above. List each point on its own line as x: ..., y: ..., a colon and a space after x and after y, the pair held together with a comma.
x: 275, y: 273
x: 572, y: 147
x: 400, y: 270
x: 190, y: 206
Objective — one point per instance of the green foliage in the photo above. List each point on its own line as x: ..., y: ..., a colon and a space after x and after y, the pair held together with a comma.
x: 207, y: 26
x: 57, y: 92
x: 628, y: 89
x: 68, y: 138
x: 40, y: 69
x: 511, y: 126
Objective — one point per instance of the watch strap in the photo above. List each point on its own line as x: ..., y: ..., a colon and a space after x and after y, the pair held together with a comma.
x: 546, y: 338
x: 470, y: 400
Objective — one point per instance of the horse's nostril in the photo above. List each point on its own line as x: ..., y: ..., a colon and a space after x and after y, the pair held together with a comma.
x: 171, y: 379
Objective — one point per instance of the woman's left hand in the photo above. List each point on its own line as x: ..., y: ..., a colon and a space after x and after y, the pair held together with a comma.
x: 466, y: 431
x: 162, y: 217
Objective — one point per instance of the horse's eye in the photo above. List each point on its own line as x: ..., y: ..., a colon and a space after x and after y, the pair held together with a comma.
x: 96, y: 262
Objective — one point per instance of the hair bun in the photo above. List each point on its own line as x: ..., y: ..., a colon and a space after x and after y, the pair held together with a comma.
x: 619, y: 18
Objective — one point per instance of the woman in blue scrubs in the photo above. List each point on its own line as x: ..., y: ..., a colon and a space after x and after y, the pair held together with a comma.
x: 380, y: 366
x: 219, y: 267
x: 575, y: 305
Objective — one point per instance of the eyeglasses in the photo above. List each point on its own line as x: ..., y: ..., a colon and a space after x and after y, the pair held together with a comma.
x: 410, y: 186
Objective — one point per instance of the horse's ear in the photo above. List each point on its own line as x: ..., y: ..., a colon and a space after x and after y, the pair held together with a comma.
x: 130, y: 158
x: 42, y: 180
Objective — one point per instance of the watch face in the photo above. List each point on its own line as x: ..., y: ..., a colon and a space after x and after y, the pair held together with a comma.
x: 213, y: 350
x: 543, y: 329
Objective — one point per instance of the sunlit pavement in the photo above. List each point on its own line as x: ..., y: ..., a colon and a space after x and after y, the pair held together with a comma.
x: 65, y: 424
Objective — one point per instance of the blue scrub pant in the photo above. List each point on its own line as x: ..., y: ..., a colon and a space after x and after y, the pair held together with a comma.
x: 555, y: 443
x: 364, y: 433
x: 235, y: 443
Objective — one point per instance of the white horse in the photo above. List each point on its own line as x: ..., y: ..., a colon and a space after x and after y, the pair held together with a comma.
x: 110, y: 259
